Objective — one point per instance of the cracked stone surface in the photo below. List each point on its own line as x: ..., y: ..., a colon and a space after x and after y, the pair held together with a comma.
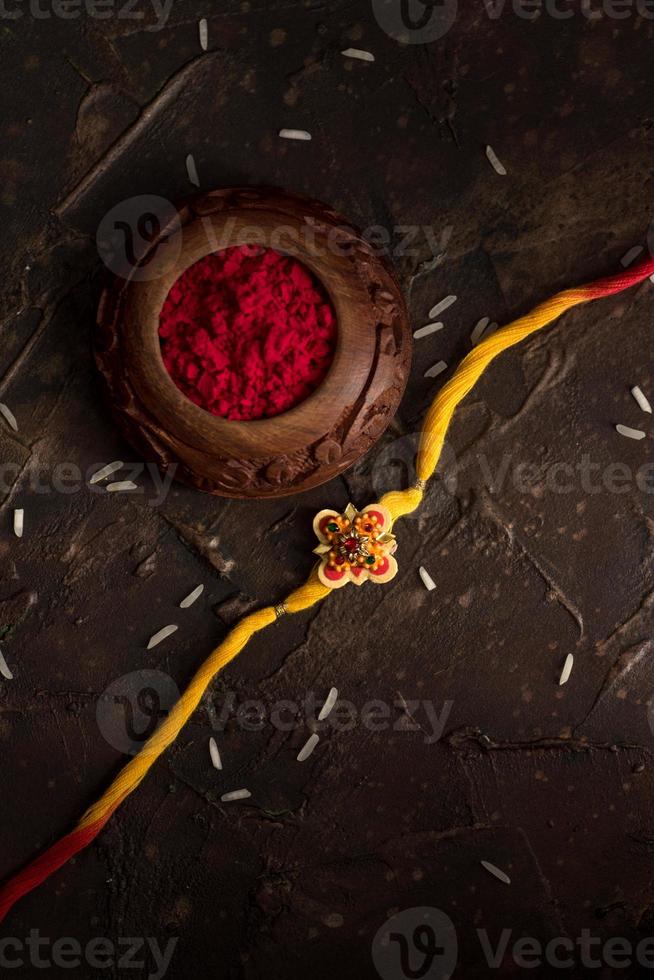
x: 453, y: 742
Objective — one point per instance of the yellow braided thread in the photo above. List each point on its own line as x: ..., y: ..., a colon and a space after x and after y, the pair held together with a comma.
x: 473, y: 366
x: 401, y: 502
x: 129, y: 778
x: 398, y: 502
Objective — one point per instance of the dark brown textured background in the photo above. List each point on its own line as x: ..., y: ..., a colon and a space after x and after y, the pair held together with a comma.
x: 552, y: 784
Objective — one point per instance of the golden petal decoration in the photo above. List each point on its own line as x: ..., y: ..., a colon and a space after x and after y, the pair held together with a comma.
x: 381, y: 541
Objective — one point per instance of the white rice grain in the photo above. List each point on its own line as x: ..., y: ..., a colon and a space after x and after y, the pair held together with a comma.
x: 427, y: 329
x: 216, y: 761
x: 237, y: 794
x: 632, y: 254
x: 106, y: 471
x: 308, y: 748
x: 497, y: 872
x: 120, y: 486
x: 495, y: 162
x: 9, y: 416
x: 440, y: 307
x: 294, y: 134
x: 480, y: 326
x: 629, y: 433
x: 567, y: 670
x: 641, y: 399
x: 19, y: 522
x: 436, y: 369
x: 482, y: 331
x: 191, y: 597
x: 4, y: 669
x: 358, y: 53
x: 427, y: 580
x: 162, y: 635
x: 203, y: 32
x: 331, y: 700
x: 192, y: 170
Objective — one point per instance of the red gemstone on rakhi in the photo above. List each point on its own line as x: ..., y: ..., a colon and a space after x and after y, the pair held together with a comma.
x: 340, y: 561
x: 351, y: 544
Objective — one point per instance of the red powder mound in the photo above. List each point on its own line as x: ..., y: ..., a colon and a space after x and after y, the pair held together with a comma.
x: 246, y: 333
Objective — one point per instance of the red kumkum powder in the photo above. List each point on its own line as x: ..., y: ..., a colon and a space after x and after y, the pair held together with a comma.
x: 247, y: 333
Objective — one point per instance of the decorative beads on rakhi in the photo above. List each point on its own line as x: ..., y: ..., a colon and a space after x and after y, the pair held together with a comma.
x: 355, y: 546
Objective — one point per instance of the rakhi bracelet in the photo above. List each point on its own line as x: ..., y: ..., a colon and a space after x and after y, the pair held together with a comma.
x: 353, y: 547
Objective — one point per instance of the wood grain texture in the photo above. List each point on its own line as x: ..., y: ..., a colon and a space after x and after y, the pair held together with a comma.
x: 315, y: 440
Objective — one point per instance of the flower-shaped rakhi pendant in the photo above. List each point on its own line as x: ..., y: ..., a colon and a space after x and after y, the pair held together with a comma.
x: 355, y: 546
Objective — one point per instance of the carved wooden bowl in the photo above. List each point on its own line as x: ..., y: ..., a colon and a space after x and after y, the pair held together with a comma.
x: 317, y: 438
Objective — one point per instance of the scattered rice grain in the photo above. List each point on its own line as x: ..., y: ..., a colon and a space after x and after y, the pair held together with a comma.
x: 426, y: 330
x: 497, y: 872
x: 632, y: 254
x: 480, y: 326
x: 106, y: 471
x: 495, y: 162
x: 4, y: 669
x: 626, y: 430
x: 121, y: 485
x: 436, y: 369
x: 216, y: 761
x: 331, y: 700
x: 567, y: 670
x: 294, y: 134
x: 191, y: 597
x: 237, y: 794
x: 358, y: 53
x: 440, y: 307
x: 642, y: 399
x: 19, y: 522
x: 203, y: 31
x: 162, y: 635
x: 9, y: 416
x: 427, y: 580
x: 192, y: 170
x: 308, y: 748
